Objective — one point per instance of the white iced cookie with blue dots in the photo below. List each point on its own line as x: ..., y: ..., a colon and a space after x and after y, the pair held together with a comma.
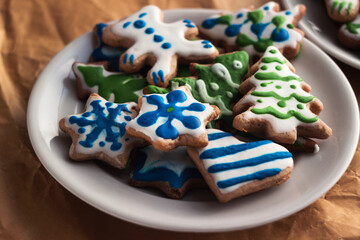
x: 151, y: 41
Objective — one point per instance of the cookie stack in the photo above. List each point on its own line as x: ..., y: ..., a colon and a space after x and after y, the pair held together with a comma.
x: 182, y: 113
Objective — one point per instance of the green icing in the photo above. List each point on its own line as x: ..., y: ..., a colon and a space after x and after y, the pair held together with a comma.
x: 281, y: 104
x: 273, y: 51
x: 290, y: 26
x: 256, y: 16
x: 183, y: 71
x: 341, y: 7
x: 272, y: 59
x: 300, y: 106
x: 264, y: 84
x: 278, y: 21
x: 264, y: 67
x: 275, y: 76
x: 278, y: 67
x: 333, y: 6
x: 349, y: 8
x: 293, y: 86
x: 299, y: 98
x: 353, y: 27
x: 289, y: 114
x: 156, y: 89
x: 225, y: 19
x: 259, y: 101
x: 278, y: 86
x: 244, y: 40
x: 123, y: 86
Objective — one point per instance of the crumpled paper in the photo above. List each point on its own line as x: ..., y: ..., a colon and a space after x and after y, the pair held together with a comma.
x: 34, y: 206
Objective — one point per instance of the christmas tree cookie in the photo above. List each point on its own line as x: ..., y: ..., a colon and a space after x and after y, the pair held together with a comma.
x: 151, y: 41
x: 114, y: 87
x: 255, y: 30
x: 277, y: 104
x: 216, y: 83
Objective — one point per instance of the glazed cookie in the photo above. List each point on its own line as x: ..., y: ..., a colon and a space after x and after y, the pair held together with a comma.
x: 342, y: 10
x: 216, y: 83
x: 103, y: 52
x: 172, y: 172
x: 99, y: 132
x: 233, y: 168
x: 255, y: 30
x: 277, y: 104
x: 172, y: 119
x: 114, y: 87
x: 349, y: 34
x: 151, y: 41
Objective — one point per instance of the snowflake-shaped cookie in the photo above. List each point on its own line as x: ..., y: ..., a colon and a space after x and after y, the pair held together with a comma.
x: 173, y: 119
x: 151, y: 41
x: 99, y: 132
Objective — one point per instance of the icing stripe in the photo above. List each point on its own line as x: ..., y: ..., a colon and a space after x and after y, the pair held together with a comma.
x: 260, y: 175
x: 230, y: 150
x: 289, y: 114
x: 249, y: 162
x: 216, y: 136
x: 299, y: 98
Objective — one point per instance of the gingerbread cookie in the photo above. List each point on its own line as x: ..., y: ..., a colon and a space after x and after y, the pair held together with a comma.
x: 172, y: 172
x: 342, y: 10
x: 233, y: 168
x: 114, y: 87
x: 216, y: 83
x: 99, y: 131
x: 150, y: 41
x: 349, y: 33
x: 172, y: 119
x: 103, y: 52
x: 277, y: 104
x: 255, y: 30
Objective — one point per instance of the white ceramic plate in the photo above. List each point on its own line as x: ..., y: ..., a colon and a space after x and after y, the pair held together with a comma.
x: 318, y: 27
x: 54, y: 96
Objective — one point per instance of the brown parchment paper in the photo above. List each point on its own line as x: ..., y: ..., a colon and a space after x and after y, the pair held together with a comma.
x: 34, y: 206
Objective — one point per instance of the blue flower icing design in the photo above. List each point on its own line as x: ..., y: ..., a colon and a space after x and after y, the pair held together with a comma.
x: 113, y: 128
x: 170, y: 111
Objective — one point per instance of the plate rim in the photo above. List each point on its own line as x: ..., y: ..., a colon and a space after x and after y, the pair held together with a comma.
x: 32, y: 111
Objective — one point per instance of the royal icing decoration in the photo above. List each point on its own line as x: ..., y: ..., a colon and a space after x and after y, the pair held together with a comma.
x: 174, y: 167
x: 352, y: 29
x: 165, y: 41
x: 114, y: 87
x: 232, y: 163
x: 278, y: 96
x: 103, y: 52
x: 100, y: 130
x: 342, y: 6
x: 166, y: 116
x: 254, y: 31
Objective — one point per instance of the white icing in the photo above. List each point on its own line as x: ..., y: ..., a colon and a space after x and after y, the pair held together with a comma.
x: 250, y: 153
x: 214, y: 86
x: 172, y: 33
x: 218, y: 31
x: 221, y: 71
x: 237, y: 64
x: 355, y: 37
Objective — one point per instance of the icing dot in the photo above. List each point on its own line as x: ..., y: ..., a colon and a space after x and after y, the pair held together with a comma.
x: 263, y: 84
x: 127, y: 139
x: 237, y: 64
x: 264, y: 67
x: 139, y: 24
x: 205, y: 41
x: 293, y: 86
x: 127, y: 118
x: 188, y: 23
x: 278, y: 86
x: 207, y: 46
x: 170, y: 109
x: 126, y: 24
x: 214, y: 86
x: 259, y: 101
x: 273, y: 51
x: 141, y: 15
x: 81, y: 130
x: 290, y: 26
x: 158, y: 38
x: 239, y: 15
x: 266, y: 8
x: 278, y: 67
x: 102, y: 144
x: 287, y: 12
x: 300, y: 106
x: 87, y: 114
x: 149, y: 30
x: 281, y: 104
x: 166, y: 45
x: 108, y: 104
x: 229, y: 94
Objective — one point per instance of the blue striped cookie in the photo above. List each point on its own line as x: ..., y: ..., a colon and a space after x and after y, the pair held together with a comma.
x: 233, y: 168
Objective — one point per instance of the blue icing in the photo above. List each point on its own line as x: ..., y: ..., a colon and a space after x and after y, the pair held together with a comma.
x: 162, y: 173
x: 170, y: 111
x: 287, y: 12
x: 240, y: 15
x: 81, y: 130
x: 102, y: 122
x: 215, y: 136
x: 260, y: 175
x: 209, y: 23
x: 125, y: 58
x: 158, y: 38
x: 161, y: 75
x: 139, y: 24
x: 104, y: 52
x: 188, y: 23
x: 230, y: 150
x: 279, y: 36
x: 142, y: 15
x: 102, y: 144
x: 166, y: 45
x: 233, y: 30
x: 132, y: 59
x: 149, y: 30
x: 266, y: 8
x: 249, y: 162
x: 154, y: 76
x: 258, y: 29
x: 126, y: 25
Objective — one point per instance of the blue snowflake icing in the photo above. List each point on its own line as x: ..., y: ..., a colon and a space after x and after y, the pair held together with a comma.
x: 170, y: 111
x: 102, y: 122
